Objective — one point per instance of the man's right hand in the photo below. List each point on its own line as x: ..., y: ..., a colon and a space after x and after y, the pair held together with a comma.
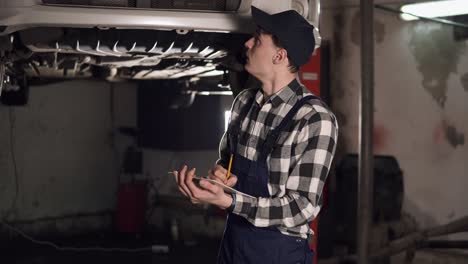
x: 219, y: 173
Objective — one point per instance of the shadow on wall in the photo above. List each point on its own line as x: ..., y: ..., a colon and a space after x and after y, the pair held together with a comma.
x: 424, y: 218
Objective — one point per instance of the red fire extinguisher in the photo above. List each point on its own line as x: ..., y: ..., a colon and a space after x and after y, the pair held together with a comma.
x: 131, y: 195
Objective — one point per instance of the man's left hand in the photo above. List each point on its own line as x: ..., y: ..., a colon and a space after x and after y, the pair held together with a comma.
x: 208, y: 193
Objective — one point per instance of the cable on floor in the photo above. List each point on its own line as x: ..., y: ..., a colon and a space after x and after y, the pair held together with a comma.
x: 154, y: 248
x: 12, y: 121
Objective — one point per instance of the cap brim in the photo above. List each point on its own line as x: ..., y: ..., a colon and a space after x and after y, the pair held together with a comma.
x: 262, y: 19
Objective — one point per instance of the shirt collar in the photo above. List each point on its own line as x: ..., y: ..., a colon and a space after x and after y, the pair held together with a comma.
x: 282, y: 96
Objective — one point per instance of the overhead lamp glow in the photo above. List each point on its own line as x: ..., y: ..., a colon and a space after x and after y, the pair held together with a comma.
x: 434, y: 9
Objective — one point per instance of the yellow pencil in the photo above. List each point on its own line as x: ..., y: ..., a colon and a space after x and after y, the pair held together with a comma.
x: 229, y: 167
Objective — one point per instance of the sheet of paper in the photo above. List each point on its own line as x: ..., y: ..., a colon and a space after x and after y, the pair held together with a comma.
x: 226, y: 188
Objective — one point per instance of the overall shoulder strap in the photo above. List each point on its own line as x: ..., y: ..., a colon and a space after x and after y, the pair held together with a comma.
x: 234, y: 128
x: 273, y: 136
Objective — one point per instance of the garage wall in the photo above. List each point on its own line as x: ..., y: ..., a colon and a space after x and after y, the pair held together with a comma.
x: 66, y: 156
x: 421, y: 109
x: 158, y: 162
x: 170, y: 207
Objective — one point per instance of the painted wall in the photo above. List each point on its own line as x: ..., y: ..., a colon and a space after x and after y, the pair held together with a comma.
x: 421, y: 108
x: 66, y: 154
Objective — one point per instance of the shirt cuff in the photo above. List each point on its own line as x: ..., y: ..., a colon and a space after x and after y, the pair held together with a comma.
x: 243, y: 205
x: 233, y: 203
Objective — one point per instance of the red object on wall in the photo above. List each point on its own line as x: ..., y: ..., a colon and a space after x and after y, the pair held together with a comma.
x: 311, y: 75
x: 131, y: 207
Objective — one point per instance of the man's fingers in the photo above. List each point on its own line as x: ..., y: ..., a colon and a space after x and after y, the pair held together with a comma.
x: 205, y: 192
x: 190, y: 174
x: 206, y: 185
x: 217, y: 178
x: 176, y: 176
x: 179, y: 186
x: 195, y: 201
x: 189, y: 179
x: 194, y: 190
x: 183, y: 182
x: 232, y: 180
x: 218, y: 173
x: 183, y: 192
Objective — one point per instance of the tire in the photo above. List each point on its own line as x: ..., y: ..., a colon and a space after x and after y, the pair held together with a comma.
x: 16, y: 93
x: 2, y: 76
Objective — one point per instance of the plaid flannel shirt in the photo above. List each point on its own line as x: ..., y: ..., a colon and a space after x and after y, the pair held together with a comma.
x: 298, y: 165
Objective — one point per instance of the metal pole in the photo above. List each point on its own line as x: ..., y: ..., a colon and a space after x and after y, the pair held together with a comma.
x: 366, y: 121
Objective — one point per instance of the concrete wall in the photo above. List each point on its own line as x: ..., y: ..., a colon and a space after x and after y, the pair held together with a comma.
x: 66, y: 155
x: 421, y: 109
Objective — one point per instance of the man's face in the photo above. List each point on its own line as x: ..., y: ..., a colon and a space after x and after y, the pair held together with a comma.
x: 260, y: 52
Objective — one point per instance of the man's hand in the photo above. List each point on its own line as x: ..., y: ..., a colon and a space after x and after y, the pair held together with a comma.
x: 219, y: 173
x: 209, y: 193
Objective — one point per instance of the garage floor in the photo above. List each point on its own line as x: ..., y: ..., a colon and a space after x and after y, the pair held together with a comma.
x: 26, y: 252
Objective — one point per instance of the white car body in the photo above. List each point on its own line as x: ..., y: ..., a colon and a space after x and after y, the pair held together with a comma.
x: 130, y: 39
x: 17, y: 15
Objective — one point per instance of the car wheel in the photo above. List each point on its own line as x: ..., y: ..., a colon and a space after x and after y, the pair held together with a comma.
x: 15, y: 93
x: 2, y: 76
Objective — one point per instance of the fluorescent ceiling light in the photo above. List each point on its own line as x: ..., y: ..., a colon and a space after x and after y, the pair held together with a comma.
x: 435, y: 9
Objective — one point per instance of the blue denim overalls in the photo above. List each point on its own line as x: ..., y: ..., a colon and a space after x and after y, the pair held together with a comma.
x: 244, y: 243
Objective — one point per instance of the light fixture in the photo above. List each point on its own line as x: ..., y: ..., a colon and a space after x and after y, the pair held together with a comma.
x: 434, y: 9
x: 227, y: 117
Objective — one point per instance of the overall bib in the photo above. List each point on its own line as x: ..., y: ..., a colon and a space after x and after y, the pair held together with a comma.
x: 244, y: 243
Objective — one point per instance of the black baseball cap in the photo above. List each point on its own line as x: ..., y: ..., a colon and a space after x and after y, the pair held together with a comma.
x: 293, y: 31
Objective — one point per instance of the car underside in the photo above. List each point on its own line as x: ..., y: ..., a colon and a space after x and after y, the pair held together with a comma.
x: 121, y: 40
x: 122, y: 54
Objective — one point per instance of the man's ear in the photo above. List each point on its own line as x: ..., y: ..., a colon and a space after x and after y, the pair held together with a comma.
x: 280, y: 56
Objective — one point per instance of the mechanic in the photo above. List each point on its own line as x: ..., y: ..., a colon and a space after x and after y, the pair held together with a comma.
x: 281, y: 141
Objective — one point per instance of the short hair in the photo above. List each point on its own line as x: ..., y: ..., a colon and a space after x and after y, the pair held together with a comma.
x: 293, y: 68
